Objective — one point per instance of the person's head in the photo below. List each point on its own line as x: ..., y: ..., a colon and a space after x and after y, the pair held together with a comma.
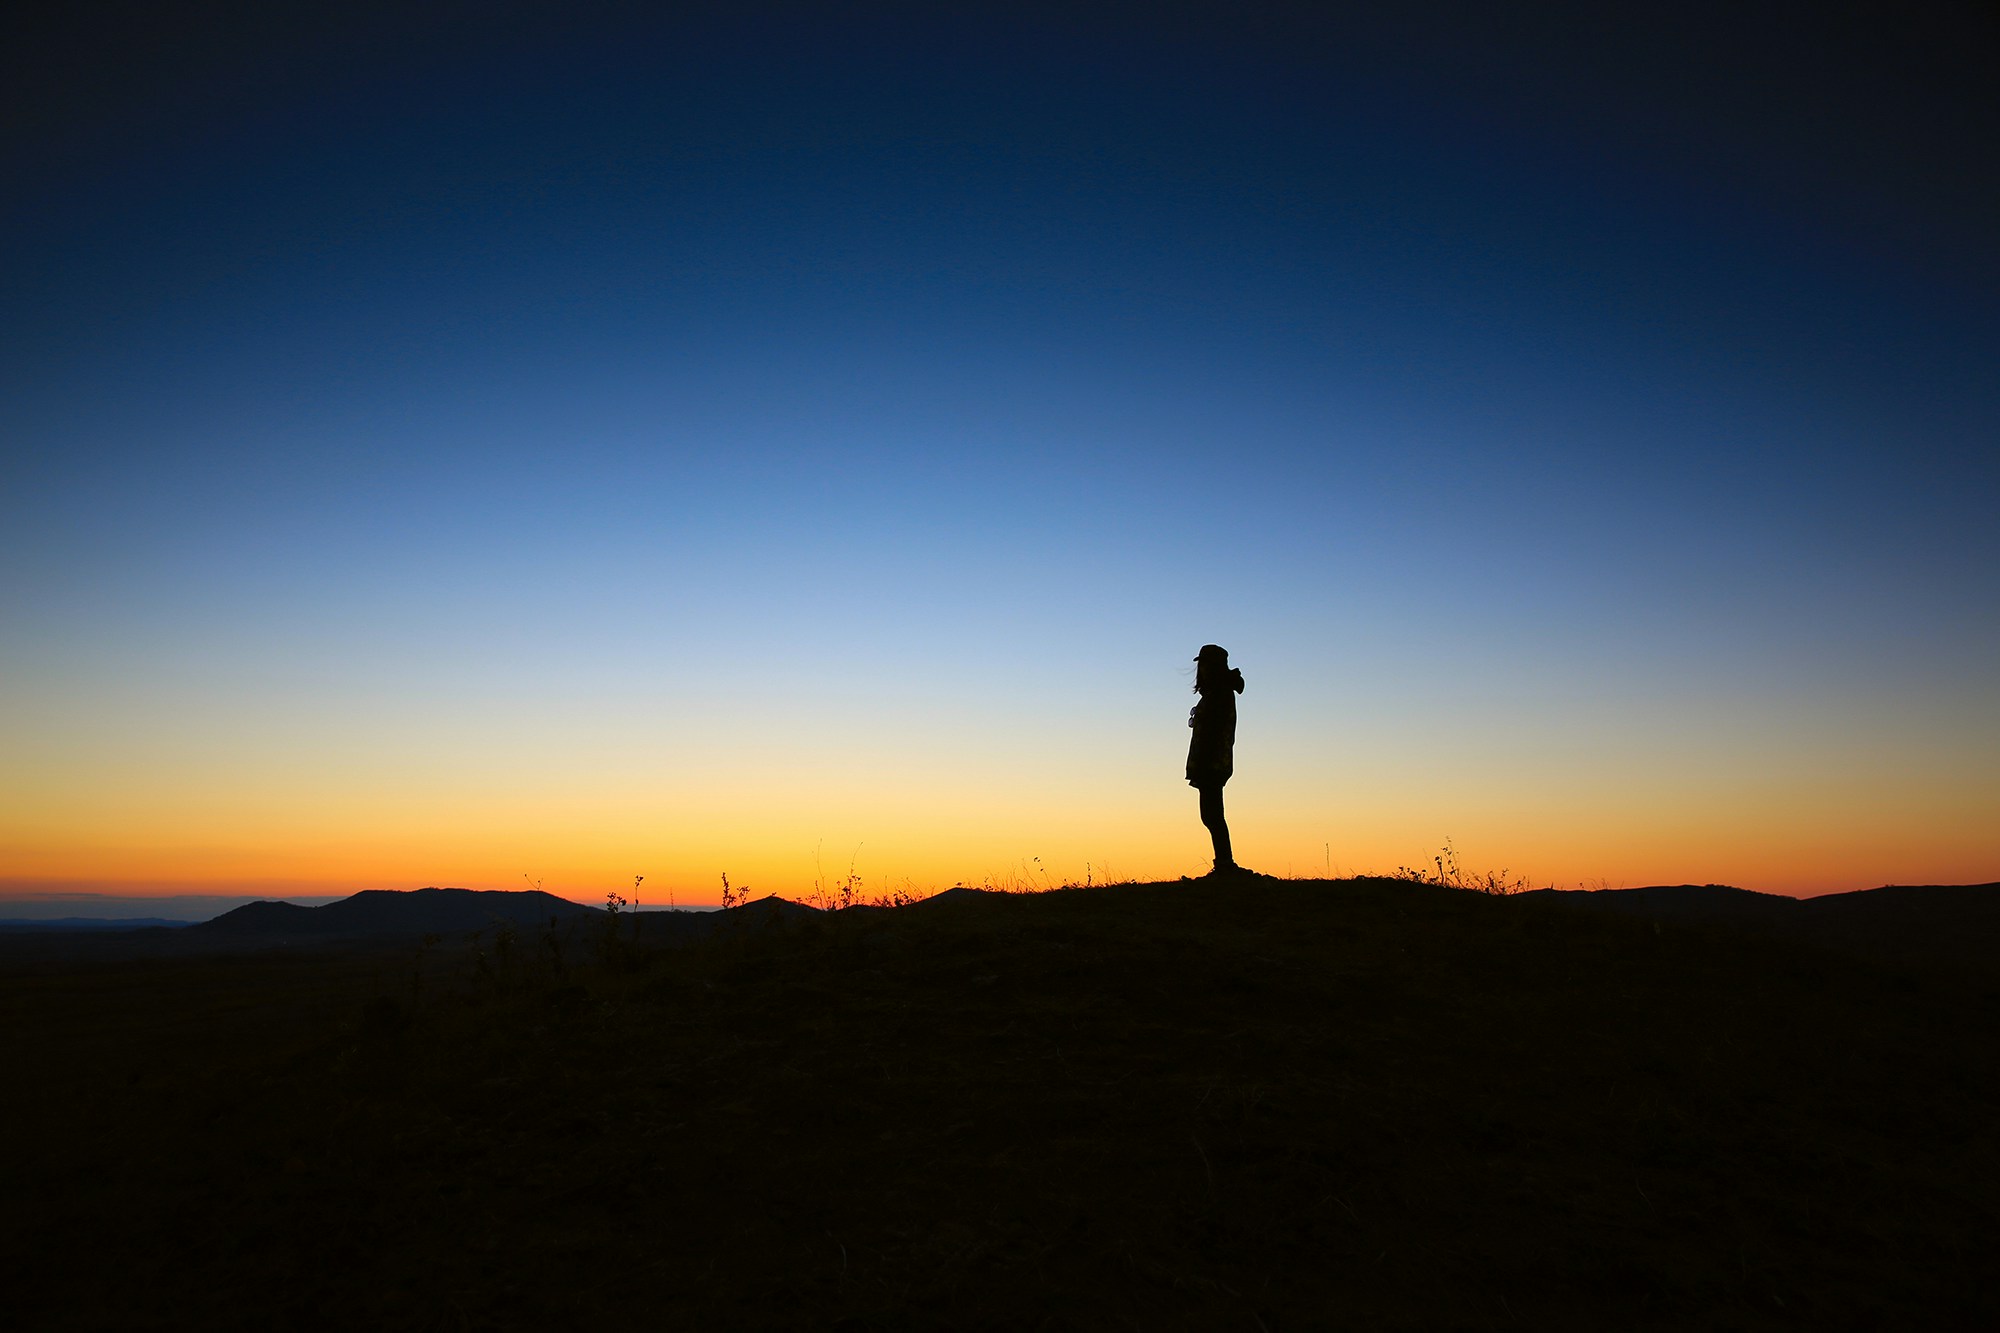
x: 1212, y: 670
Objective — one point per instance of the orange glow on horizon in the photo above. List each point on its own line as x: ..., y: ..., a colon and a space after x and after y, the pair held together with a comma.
x: 585, y: 858
x: 930, y: 800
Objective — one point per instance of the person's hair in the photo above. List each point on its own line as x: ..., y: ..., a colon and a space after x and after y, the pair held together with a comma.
x: 1212, y: 672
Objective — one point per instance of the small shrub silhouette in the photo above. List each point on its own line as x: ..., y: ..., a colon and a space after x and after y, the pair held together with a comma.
x: 1446, y: 873
x: 607, y: 941
x: 836, y: 895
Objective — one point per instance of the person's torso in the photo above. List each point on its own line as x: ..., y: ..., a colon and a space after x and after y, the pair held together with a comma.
x: 1214, y: 721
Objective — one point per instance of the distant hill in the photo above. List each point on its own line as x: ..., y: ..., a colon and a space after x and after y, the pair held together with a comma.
x: 380, y: 914
x: 92, y: 923
x: 1680, y: 900
x: 385, y: 912
x: 371, y: 918
x: 958, y: 894
x: 768, y: 908
x: 1921, y: 923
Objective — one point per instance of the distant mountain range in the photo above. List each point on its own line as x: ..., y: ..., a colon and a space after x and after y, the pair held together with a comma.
x: 91, y: 923
x: 1898, y: 922
x: 378, y: 912
x: 1931, y: 923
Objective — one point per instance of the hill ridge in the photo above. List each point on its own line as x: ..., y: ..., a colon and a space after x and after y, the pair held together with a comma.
x: 376, y: 912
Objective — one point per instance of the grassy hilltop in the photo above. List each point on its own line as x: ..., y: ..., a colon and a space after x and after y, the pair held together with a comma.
x: 1243, y: 1104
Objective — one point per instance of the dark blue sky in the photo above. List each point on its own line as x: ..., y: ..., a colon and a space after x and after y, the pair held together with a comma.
x: 1613, y: 377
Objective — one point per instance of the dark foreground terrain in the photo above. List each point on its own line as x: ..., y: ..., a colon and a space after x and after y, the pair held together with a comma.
x: 1246, y: 1105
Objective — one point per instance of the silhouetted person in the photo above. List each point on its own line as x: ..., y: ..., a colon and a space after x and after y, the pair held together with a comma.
x: 1211, y: 751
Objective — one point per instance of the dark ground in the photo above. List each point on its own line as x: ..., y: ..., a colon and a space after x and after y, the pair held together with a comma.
x: 1255, y: 1104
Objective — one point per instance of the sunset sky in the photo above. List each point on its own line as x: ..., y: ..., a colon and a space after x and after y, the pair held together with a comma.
x: 497, y: 447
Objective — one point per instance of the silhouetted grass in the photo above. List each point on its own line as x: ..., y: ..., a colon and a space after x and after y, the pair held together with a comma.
x: 1237, y: 1104
x: 1447, y: 873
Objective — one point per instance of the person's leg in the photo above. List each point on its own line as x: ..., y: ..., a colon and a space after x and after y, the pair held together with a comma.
x: 1218, y: 828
